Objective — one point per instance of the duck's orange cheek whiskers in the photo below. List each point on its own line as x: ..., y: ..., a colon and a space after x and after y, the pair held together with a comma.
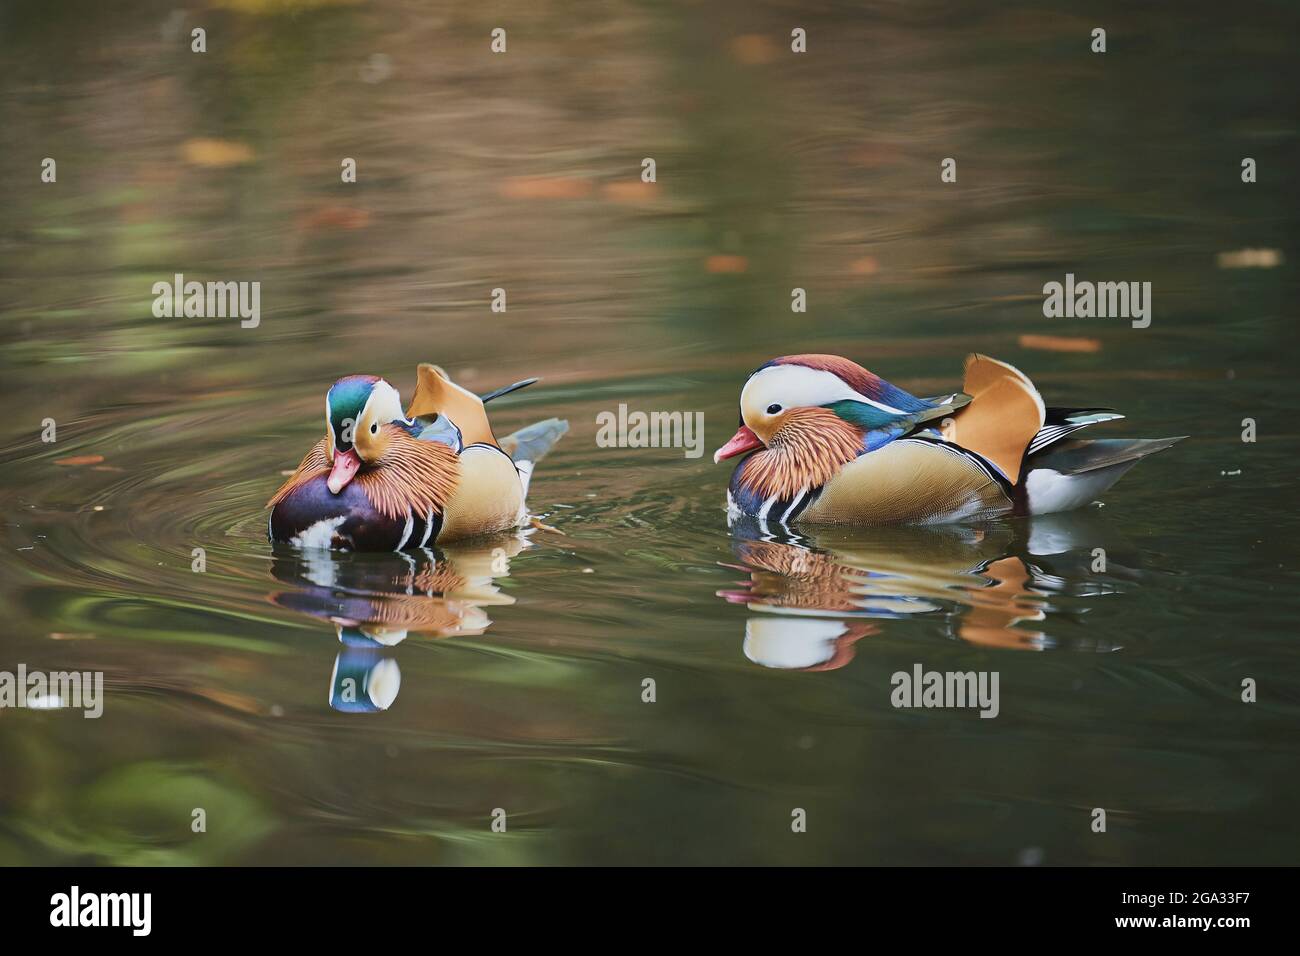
x: 744, y: 440
x: 346, y: 464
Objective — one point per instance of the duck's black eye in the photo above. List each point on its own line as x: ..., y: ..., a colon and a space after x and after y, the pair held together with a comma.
x: 773, y: 408
x: 374, y: 428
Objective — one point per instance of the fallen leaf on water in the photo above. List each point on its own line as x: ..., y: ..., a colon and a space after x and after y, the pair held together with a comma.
x: 216, y: 153
x: 866, y: 266
x: 1060, y: 343
x: 630, y: 191
x: 335, y: 217
x: 80, y: 460
x: 726, y: 264
x: 873, y: 155
x: 753, y: 49
x: 1250, y: 259
x: 544, y: 187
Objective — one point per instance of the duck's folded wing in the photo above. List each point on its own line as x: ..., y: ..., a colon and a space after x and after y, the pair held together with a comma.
x: 489, y: 496
x: 911, y: 480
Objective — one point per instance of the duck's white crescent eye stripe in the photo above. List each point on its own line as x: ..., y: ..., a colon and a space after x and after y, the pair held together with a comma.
x: 385, y: 402
x: 797, y: 386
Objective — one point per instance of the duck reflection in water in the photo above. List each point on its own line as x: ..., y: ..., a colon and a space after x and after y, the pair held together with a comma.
x: 375, y: 601
x: 815, y: 596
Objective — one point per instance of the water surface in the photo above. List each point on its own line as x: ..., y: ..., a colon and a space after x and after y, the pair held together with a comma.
x: 512, y: 669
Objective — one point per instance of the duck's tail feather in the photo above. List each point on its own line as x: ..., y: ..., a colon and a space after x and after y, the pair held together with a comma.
x: 1060, y: 422
x: 1073, y: 473
x: 507, y: 389
x: 1077, y: 456
x: 531, y: 444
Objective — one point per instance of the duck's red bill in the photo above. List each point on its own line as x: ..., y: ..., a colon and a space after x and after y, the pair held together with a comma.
x: 744, y: 440
x: 346, y: 464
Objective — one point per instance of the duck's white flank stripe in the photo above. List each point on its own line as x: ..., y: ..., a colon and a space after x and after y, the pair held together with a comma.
x: 428, y: 528
x: 794, y: 504
x: 406, y: 532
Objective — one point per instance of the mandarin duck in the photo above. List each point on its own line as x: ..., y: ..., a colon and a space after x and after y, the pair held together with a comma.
x: 833, y: 443
x: 386, y: 480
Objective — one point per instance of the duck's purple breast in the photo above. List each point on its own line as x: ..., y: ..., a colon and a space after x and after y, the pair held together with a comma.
x: 312, y: 516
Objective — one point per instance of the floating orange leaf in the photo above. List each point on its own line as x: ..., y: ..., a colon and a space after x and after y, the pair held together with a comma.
x: 1060, y: 343
x: 1250, y: 259
x: 216, y: 153
x: 545, y: 187
x: 80, y: 460
x: 866, y: 266
x: 726, y: 264
x: 630, y: 191
x: 753, y: 49
x: 335, y: 217
x: 873, y: 155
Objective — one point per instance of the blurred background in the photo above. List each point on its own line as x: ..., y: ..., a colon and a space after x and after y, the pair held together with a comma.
x: 508, y: 674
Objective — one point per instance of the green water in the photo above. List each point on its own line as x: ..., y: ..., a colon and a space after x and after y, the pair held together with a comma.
x: 523, y: 661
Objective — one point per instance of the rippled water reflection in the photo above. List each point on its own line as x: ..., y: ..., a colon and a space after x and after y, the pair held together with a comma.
x: 376, y: 709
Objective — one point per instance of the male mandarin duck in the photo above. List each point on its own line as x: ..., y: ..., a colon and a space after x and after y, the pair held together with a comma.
x: 835, y: 444
x: 384, y: 480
